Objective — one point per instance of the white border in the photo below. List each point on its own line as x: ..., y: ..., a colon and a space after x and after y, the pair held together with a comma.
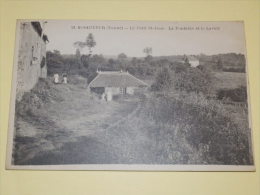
x: 136, y: 167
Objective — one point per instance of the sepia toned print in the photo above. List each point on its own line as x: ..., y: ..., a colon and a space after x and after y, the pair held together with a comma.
x: 129, y: 95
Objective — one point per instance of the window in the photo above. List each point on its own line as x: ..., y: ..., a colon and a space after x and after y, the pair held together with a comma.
x: 123, y: 91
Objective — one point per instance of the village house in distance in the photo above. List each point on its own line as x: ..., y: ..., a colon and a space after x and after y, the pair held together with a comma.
x: 31, y: 56
x: 193, y: 61
x: 112, y: 83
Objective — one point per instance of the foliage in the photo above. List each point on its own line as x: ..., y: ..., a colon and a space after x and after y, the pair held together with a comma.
x: 78, y: 55
x: 230, y: 62
x: 219, y: 64
x: 90, y: 42
x: 55, y: 62
x: 163, y: 80
x: 200, y: 130
x: 237, y: 95
x: 230, y: 69
x: 183, y: 78
x: 80, y: 45
x: 122, y: 61
x: 148, y: 51
x: 121, y: 56
x: 186, y: 60
x: 42, y: 93
x: 193, y: 80
x: 84, y: 60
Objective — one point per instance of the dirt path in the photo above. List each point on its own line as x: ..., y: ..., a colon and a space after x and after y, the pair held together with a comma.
x: 67, y: 131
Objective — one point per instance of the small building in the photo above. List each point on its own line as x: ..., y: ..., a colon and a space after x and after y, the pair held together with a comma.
x: 31, y: 56
x: 111, y: 83
x: 193, y: 61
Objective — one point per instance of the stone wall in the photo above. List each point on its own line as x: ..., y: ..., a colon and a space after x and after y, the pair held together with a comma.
x: 31, y: 59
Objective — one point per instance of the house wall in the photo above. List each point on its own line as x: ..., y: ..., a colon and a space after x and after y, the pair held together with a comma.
x: 31, y: 51
x: 130, y: 90
x: 113, y: 90
x: 116, y: 90
x: 194, y: 63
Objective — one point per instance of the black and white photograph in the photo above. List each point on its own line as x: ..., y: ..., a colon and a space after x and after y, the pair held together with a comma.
x: 130, y: 95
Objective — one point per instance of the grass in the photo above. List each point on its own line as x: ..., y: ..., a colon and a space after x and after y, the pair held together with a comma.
x: 64, y: 124
x: 61, y: 116
x: 208, y: 133
x: 229, y: 80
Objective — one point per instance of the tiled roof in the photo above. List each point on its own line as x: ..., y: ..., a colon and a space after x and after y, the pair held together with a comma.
x: 116, y: 79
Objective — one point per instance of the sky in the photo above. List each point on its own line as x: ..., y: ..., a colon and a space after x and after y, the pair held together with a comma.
x: 131, y: 37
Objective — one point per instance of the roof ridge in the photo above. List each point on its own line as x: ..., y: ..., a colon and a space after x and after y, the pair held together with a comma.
x: 94, y: 79
x: 111, y: 72
x: 137, y: 79
x: 118, y: 80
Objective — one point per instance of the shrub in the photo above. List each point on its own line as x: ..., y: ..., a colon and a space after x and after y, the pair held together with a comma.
x: 163, y: 80
x: 41, y: 94
x: 55, y: 62
x: 237, y: 95
x: 193, y: 80
x: 183, y: 78
x: 207, y: 132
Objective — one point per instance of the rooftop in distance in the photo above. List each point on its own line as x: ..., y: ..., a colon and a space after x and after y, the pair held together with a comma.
x: 116, y: 79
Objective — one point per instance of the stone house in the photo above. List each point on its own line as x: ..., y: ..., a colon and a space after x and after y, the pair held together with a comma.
x: 31, y: 56
x: 112, y: 83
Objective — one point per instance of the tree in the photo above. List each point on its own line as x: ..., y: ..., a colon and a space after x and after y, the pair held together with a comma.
x: 219, y: 64
x: 186, y: 60
x: 56, y: 52
x: 122, y: 60
x: 193, y: 80
x: 163, y: 80
x: 121, y: 57
x: 79, y: 45
x: 84, y: 59
x: 134, y: 61
x: 78, y: 55
x: 90, y: 42
x: 148, y: 51
x: 55, y: 62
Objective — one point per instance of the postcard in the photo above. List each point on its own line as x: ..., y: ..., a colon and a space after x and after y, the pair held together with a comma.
x: 130, y: 95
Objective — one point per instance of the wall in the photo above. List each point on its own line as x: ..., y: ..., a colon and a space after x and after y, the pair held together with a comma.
x: 31, y: 50
x: 129, y: 182
x: 113, y: 90
x: 130, y: 90
x: 194, y: 63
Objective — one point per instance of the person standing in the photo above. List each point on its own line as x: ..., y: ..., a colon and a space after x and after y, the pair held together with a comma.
x: 65, y: 78
x: 56, y: 78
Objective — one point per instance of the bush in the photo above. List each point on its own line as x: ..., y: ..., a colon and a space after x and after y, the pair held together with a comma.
x: 206, y: 130
x: 55, y: 62
x: 163, y: 80
x: 237, y: 95
x: 41, y: 94
x: 193, y: 80
x: 183, y: 79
